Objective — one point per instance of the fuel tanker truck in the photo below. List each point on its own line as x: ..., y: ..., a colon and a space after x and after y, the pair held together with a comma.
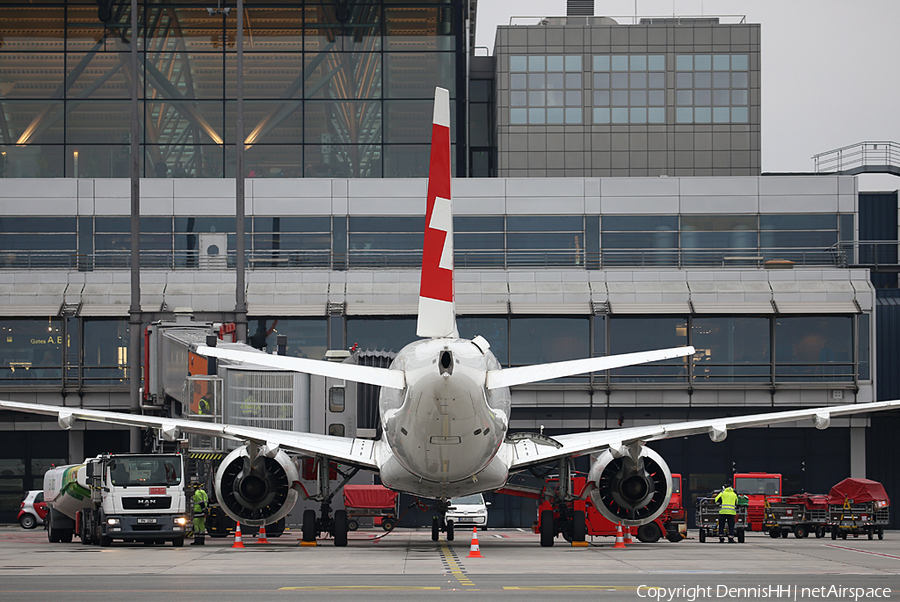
x: 118, y: 496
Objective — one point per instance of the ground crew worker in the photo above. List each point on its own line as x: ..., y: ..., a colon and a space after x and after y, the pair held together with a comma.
x: 201, y: 501
x: 727, y: 501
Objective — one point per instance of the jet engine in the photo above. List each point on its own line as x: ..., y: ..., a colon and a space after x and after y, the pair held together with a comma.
x: 258, y: 491
x: 632, y: 485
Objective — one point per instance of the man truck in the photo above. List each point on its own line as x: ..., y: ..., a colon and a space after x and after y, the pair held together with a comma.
x: 130, y: 497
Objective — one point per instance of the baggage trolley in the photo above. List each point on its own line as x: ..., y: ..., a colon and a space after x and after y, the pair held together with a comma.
x: 371, y: 501
x: 708, y: 520
x: 868, y: 518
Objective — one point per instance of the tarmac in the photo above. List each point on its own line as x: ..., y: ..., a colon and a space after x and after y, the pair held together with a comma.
x: 406, y: 564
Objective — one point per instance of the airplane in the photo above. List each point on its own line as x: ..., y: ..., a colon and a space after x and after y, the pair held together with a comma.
x: 444, y: 409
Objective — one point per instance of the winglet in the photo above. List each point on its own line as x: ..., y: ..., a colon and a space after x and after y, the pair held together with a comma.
x: 437, y: 314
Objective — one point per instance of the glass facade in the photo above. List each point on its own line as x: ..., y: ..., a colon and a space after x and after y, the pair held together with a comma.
x: 366, y: 242
x: 629, y: 88
x: 730, y: 348
x: 331, y: 90
x: 545, y: 90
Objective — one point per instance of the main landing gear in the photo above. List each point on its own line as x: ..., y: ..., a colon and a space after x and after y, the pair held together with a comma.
x: 336, y: 524
x: 439, y: 522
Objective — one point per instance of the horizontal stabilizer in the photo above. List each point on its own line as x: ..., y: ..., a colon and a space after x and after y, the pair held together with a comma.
x: 383, y: 377
x: 540, y: 372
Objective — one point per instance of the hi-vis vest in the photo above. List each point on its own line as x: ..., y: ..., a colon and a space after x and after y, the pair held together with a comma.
x: 728, y: 500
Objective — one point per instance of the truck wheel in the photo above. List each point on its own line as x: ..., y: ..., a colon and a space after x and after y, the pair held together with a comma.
x: 649, y: 533
x: 834, y: 533
x: 740, y: 536
x: 27, y: 521
x: 820, y: 532
x: 774, y: 533
x: 435, y: 529
x: 785, y: 533
x: 674, y: 536
x: 352, y: 524
x: 65, y: 535
x: 548, y: 529
x: 800, y: 531
x: 178, y: 542
x: 449, y: 530
x: 702, y: 536
x: 105, y: 541
x: 844, y: 535
x: 870, y: 533
x: 309, y: 525
x: 340, y: 528
x: 386, y: 524
x: 579, y: 528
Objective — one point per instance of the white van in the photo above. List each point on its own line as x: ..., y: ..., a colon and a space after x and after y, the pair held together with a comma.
x: 469, y: 511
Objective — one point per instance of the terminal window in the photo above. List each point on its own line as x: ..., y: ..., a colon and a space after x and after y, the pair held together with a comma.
x: 545, y: 90
x: 629, y: 88
x: 712, y: 88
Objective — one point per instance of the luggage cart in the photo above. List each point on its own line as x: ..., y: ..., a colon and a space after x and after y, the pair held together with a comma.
x: 371, y: 501
x: 708, y: 519
x: 858, y: 519
x: 782, y: 519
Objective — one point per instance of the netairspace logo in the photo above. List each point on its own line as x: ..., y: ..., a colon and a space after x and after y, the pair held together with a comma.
x: 787, y: 592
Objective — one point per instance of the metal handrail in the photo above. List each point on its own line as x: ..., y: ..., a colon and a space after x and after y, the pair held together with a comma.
x: 857, y: 157
x: 838, y: 255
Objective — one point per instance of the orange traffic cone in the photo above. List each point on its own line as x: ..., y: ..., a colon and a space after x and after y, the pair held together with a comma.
x: 474, y: 551
x: 238, y: 540
x: 628, y: 540
x: 620, y: 543
x: 261, y: 536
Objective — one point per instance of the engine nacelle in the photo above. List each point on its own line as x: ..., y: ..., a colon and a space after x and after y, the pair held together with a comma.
x: 628, y: 489
x: 256, y: 495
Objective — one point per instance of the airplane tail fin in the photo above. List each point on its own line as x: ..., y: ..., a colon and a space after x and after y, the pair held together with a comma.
x: 437, y: 313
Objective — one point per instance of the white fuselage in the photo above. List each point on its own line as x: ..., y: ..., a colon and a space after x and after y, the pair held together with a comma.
x: 444, y: 430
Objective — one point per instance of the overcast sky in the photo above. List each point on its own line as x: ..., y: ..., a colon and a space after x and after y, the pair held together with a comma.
x: 830, y: 68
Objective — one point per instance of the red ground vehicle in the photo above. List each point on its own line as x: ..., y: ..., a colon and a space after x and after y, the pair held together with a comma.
x: 758, y: 487
x: 370, y: 501
x: 576, y: 519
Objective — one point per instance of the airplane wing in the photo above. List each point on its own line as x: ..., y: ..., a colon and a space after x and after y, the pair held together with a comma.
x: 383, y: 377
x: 508, y: 377
x: 528, y: 452
x: 359, y: 452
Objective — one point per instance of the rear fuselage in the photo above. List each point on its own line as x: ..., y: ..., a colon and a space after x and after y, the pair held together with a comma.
x: 444, y: 428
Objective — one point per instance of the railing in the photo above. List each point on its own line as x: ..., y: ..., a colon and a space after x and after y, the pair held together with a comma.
x: 354, y: 259
x: 879, y: 255
x: 623, y: 19
x: 862, y: 157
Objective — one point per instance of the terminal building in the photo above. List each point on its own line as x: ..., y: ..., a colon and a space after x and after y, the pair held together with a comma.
x: 608, y: 198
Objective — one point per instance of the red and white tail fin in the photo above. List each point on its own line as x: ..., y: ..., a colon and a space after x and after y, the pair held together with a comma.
x: 437, y: 315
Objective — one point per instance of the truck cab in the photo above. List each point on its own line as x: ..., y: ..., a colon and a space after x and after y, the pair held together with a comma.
x: 759, y: 487
x: 674, y: 519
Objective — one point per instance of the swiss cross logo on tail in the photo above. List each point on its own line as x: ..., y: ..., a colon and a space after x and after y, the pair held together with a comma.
x: 436, y: 311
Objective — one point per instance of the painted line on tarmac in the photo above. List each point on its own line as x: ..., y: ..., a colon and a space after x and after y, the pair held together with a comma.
x: 393, y: 588
x: 831, y: 545
x: 451, y: 561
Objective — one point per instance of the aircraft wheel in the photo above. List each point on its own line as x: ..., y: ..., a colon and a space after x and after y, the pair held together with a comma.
x: 579, y: 528
x: 340, y: 528
x: 352, y: 524
x: 309, y: 525
x: 449, y: 530
x: 649, y: 533
x: 548, y: 529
